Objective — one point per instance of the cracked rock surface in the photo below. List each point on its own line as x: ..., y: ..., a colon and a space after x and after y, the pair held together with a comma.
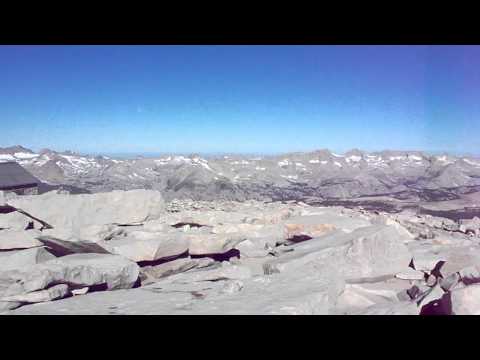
x: 127, y: 252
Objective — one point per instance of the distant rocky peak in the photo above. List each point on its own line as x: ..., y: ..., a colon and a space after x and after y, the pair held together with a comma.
x: 15, y: 149
x: 389, y: 153
x: 46, y: 151
x: 322, y: 154
x: 322, y: 151
x: 355, y: 152
x: 416, y: 155
x: 193, y: 156
x: 72, y: 153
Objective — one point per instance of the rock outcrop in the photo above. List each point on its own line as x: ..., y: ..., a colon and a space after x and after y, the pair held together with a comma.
x: 71, y: 215
x: 14, y: 240
x: 466, y: 301
x: 123, y: 253
x: 152, y: 248
x: 76, y: 271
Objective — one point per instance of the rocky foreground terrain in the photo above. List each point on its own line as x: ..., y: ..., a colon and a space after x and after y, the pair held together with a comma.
x: 130, y: 252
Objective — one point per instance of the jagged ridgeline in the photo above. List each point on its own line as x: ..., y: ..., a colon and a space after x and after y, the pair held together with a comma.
x: 314, y: 176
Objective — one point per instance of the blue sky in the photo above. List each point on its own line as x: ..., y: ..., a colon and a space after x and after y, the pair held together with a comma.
x: 207, y: 99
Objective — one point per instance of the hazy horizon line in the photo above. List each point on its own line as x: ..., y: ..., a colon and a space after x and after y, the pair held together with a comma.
x: 150, y: 153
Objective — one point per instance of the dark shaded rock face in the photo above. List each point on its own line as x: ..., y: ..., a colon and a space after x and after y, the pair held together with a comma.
x: 60, y: 248
x: 234, y: 253
x: 44, y: 188
x: 7, y: 209
x: 442, y: 306
x: 466, y: 213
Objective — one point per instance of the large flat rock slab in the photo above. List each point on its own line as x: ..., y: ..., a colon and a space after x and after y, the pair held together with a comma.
x: 60, y: 247
x: 283, y: 294
x: 466, y: 301
x: 366, y: 252
x: 15, y: 221
x: 358, y: 297
x: 19, y: 259
x: 398, y: 308
x: 333, y: 217
x: 77, y: 270
x: 203, y: 244
x: 155, y: 272
x: 52, y: 293
x: 11, y: 239
x: 153, y: 247
x: 71, y: 214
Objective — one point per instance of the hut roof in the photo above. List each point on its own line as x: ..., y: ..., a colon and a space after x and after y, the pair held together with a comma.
x: 12, y: 175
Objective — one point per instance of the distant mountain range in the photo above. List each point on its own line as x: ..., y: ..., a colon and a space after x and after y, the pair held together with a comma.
x: 319, y: 174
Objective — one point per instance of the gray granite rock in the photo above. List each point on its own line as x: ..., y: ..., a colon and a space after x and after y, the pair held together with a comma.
x: 78, y: 270
x: 14, y: 240
x: 466, y: 301
x: 19, y: 259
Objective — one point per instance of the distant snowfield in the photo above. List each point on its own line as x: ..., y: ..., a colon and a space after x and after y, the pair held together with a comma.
x: 377, y: 171
x: 182, y: 159
x: 444, y: 160
x: 6, y: 157
x: 354, y: 158
x: 470, y: 162
x: 25, y: 155
x: 292, y: 177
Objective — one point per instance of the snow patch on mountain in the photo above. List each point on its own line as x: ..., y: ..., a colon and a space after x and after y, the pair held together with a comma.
x: 242, y: 162
x: 24, y: 156
x: 354, y: 158
x: 6, y: 157
x: 293, y: 177
x: 470, y: 162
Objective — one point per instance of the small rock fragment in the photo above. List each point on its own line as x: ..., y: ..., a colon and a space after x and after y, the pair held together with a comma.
x: 470, y: 275
x: 52, y: 293
x: 81, y: 291
x: 431, y: 281
x: 449, y: 282
x: 232, y: 287
x: 434, y: 294
x: 410, y: 274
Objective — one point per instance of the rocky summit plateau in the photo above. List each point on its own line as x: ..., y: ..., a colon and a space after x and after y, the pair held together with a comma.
x: 385, y: 233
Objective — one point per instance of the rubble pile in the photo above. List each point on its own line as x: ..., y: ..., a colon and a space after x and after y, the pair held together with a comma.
x: 127, y: 252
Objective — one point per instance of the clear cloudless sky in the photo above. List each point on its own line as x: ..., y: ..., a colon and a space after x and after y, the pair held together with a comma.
x: 256, y: 99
